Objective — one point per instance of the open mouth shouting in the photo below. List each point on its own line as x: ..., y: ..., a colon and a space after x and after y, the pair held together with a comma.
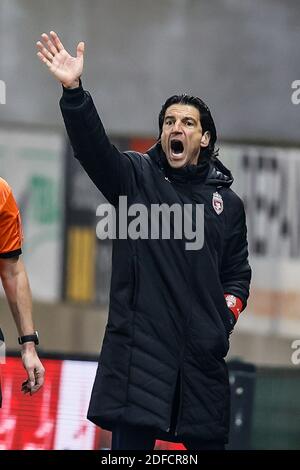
x: 176, y: 148
x: 182, y: 136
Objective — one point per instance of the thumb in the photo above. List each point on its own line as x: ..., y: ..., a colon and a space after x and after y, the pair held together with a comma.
x: 80, y: 50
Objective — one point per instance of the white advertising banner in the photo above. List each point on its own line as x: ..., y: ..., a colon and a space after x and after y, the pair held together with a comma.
x: 268, y: 181
x: 32, y: 164
x: 73, y: 430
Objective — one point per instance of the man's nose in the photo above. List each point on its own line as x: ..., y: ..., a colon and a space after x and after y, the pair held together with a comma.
x: 177, y: 126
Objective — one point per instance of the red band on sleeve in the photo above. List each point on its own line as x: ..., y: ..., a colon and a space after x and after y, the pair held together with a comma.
x: 234, y: 303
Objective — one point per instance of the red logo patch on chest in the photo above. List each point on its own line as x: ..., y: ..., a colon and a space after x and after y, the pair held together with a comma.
x: 217, y: 203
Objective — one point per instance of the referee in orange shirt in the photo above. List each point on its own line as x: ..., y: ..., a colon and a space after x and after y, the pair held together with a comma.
x: 15, y: 283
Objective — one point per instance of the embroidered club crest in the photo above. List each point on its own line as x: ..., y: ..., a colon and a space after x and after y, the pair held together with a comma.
x: 230, y: 300
x: 217, y: 203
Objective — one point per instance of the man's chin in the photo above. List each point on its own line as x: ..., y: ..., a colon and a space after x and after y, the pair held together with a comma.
x: 176, y: 162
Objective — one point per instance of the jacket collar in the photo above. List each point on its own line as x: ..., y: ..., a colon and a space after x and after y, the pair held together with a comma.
x: 213, y: 172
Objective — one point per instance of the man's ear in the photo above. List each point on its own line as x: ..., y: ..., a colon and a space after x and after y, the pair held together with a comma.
x: 205, y: 139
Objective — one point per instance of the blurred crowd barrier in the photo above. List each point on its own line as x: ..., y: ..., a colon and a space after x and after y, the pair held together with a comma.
x: 265, y: 409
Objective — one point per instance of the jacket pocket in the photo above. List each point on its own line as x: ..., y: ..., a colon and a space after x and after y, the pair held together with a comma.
x: 228, y: 321
x: 134, y: 281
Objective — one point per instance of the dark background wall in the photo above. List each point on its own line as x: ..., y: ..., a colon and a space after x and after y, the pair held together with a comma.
x: 240, y: 56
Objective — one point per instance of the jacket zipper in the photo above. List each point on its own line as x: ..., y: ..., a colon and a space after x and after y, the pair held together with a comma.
x: 134, y: 291
x: 179, y: 408
x: 182, y: 357
x: 181, y: 368
x: 178, y: 419
x: 174, y: 405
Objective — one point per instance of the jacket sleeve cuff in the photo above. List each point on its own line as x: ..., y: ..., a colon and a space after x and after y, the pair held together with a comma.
x: 234, y: 304
x: 73, y: 96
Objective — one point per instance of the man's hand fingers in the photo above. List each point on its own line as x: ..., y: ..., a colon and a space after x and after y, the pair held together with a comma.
x: 39, y: 375
x: 80, y: 49
x: 35, y: 389
x: 25, y: 387
x: 31, y: 377
x: 43, y: 59
x: 44, y: 51
x: 39, y: 378
x: 33, y: 366
x: 52, y: 48
x: 56, y: 41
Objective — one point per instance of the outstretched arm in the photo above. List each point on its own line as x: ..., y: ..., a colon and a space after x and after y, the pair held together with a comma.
x: 113, y: 172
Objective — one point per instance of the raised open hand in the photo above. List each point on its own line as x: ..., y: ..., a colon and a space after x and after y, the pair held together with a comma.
x: 62, y: 65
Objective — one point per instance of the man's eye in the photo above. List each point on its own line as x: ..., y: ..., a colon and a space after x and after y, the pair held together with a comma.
x: 168, y: 123
x: 190, y: 123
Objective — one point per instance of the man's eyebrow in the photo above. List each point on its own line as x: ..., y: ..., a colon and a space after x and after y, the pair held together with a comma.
x: 171, y: 116
x: 190, y: 117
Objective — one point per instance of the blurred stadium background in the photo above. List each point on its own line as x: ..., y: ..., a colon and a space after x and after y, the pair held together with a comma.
x: 241, y: 58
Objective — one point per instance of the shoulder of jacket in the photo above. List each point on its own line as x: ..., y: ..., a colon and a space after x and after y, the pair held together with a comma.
x: 138, y: 159
x: 232, y: 198
x: 134, y: 157
x: 133, y: 154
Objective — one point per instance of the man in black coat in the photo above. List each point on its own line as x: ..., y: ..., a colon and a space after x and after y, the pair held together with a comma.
x: 173, y: 304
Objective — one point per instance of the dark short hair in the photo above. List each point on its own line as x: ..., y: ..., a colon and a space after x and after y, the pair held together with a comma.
x: 206, y: 120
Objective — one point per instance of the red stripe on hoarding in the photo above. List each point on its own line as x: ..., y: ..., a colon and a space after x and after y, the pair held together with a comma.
x: 28, y: 422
